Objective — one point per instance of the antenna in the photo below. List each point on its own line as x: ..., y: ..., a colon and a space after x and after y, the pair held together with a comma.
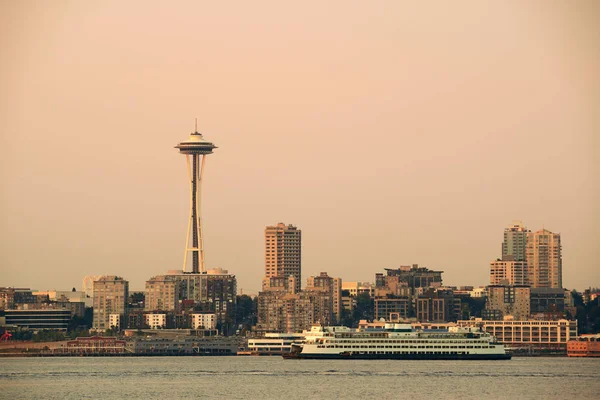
x: 196, y: 128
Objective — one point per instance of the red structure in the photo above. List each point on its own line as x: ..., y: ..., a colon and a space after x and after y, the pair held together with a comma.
x: 584, y: 346
x: 5, y: 336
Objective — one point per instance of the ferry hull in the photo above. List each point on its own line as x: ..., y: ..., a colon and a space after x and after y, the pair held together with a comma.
x: 397, y: 356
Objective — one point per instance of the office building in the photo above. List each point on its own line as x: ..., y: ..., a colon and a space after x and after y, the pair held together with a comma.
x: 38, y: 319
x: 283, y: 252
x: 110, y: 297
x: 544, y: 259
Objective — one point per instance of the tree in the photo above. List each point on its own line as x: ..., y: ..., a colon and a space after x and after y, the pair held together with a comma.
x: 587, y: 315
x: 472, y: 306
x: 365, y: 308
x: 137, y: 298
x: 246, y: 311
x: 346, y: 317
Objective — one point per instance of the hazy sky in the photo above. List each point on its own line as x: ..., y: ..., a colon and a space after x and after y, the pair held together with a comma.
x: 390, y: 132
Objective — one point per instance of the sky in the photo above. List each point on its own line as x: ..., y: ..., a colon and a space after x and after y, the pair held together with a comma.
x: 391, y: 133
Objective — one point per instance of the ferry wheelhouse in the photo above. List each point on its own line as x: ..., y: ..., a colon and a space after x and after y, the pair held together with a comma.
x: 272, y: 344
x: 398, y: 341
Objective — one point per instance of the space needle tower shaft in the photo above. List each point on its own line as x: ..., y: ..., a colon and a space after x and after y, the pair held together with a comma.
x: 195, y: 150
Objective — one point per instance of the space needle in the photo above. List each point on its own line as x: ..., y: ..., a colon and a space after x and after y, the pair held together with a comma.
x: 196, y: 148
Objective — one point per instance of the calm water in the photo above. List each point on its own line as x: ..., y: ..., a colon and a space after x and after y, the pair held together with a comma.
x: 275, y: 378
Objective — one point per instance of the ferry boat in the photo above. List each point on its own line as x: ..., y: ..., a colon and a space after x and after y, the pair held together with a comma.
x: 398, y: 341
x: 584, y: 346
x: 272, y: 344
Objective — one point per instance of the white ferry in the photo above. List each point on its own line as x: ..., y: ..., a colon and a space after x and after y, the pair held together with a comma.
x: 398, y: 341
x: 271, y: 344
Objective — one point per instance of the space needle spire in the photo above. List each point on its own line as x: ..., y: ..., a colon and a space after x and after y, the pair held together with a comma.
x: 195, y: 149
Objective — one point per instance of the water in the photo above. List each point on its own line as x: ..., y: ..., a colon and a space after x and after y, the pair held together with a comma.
x: 275, y: 378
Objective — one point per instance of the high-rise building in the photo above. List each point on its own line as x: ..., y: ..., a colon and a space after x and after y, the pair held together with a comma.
x: 385, y: 306
x: 544, y: 259
x: 280, y: 311
x: 504, y: 300
x: 280, y: 283
x: 110, y: 297
x: 508, y: 273
x: 283, y: 253
x: 333, y: 286
x: 511, y: 269
x: 195, y: 149
x: 414, y: 277
x: 212, y: 291
x: 437, y: 305
x: 515, y: 242
x: 162, y: 293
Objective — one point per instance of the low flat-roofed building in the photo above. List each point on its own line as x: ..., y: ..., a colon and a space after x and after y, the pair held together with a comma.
x: 204, y: 321
x: 115, y: 321
x: 39, y: 319
x: 213, y: 345
x: 530, y: 333
x: 76, y: 308
x: 156, y: 320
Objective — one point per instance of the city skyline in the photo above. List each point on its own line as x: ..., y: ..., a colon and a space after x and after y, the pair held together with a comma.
x: 383, y: 149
